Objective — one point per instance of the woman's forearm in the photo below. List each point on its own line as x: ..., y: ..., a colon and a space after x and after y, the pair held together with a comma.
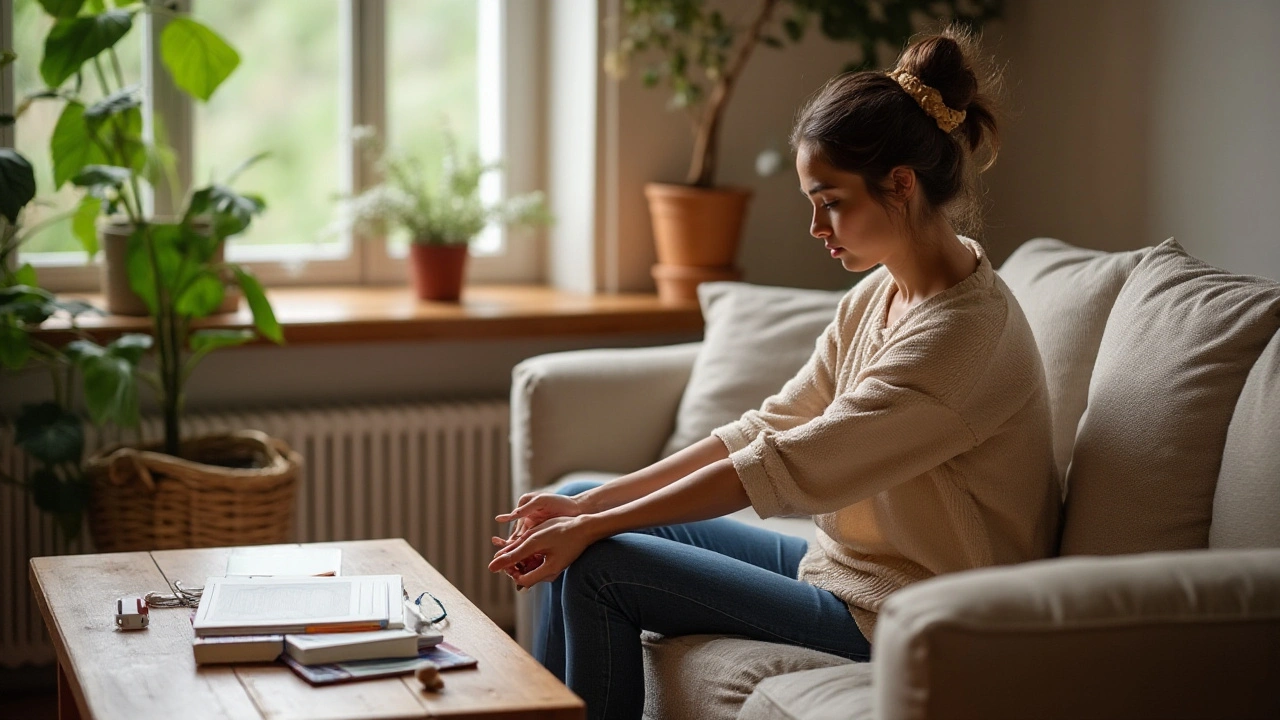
x: 709, y: 492
x: 654, y: 477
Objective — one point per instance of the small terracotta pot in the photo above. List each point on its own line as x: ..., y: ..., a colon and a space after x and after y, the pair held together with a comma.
x: 438, y: 271
x: 114, y: 273
x: 696, y: 227
x: 679, y: 283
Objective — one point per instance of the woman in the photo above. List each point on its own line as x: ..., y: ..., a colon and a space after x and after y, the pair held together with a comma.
x: 917, y: 435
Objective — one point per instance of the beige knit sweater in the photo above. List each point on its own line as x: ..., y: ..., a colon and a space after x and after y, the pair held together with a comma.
x: 918, y: 449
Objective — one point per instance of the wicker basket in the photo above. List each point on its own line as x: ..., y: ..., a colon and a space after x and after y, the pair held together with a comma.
x: 148, y: 500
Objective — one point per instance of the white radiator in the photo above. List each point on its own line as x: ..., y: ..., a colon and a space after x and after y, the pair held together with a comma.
x: 433, y: 474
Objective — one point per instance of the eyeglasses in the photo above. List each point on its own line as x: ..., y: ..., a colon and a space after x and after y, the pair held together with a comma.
x: 443, y: 613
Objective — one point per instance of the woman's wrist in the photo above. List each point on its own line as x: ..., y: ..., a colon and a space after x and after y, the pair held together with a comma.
x: 595, y: 527
x: 589, y: 502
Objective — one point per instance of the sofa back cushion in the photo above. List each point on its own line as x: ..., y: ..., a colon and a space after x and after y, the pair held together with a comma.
x: 755, y: 339
x: 1066, y: 293
x: 1178, y: 345
x: 1246, y: 502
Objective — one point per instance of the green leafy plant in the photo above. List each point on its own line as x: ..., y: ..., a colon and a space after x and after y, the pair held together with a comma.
x: 438, y: 206
x: 99, y: 145
x: 176, y: 270
x: 52, y: 432
x: 700, y: 55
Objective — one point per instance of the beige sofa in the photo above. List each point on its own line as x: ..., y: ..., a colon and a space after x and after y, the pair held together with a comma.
x: 1165, y: 381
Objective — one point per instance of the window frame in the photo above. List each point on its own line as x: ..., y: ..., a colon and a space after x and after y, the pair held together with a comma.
x: 508, y: 59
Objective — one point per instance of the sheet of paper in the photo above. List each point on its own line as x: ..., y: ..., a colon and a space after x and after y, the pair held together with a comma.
x: 284, y: 560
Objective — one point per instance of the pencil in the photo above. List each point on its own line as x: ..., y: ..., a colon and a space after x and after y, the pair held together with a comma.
x: 364, y: 627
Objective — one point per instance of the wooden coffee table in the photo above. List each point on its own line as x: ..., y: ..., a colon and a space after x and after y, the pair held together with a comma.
x: 106, y: 673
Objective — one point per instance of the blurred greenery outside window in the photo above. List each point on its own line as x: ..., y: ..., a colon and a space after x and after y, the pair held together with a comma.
x: 288, y: 98
x: 56, y: 245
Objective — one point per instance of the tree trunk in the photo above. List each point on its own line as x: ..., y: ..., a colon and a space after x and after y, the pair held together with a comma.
x: 702, y: 170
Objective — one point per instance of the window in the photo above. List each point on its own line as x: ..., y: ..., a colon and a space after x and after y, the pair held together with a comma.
x: 311, y: 70
x: 284, y: 99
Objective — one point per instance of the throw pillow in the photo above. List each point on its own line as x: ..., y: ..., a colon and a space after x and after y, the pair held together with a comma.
x: 1177, y: 347
x: 1246, y: 501
x: 755, y: 339
x: 1066, y: 293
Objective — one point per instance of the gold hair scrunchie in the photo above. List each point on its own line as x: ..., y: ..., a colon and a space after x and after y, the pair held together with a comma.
x: 929, y: 99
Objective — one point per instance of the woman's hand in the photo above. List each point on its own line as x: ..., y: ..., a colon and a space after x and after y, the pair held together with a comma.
x: 558, y: 541
x: 532, y: 510
x: 535, y: 508
x: 523, y: 566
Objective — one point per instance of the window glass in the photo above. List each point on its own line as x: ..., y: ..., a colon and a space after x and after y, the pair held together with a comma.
x: 284, y: 98
x: 432, y: 82
x: 54, y: 245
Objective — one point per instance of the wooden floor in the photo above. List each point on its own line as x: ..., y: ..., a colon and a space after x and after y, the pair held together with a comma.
x: 33, y: 706
x: 28, y: 692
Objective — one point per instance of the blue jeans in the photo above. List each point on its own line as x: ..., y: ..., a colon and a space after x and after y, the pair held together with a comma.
x: 716, y: 576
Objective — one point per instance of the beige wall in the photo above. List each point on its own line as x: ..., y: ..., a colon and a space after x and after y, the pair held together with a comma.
x: 1140, y: 120
x: 1214, y: 169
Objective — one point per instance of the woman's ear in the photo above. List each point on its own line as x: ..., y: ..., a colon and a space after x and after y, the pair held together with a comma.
x: 902, y: 185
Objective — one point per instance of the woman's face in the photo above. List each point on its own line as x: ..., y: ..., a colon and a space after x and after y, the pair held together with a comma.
x: 857, y: 230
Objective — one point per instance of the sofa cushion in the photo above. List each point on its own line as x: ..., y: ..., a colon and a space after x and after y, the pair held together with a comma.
x: 1066, y: 293
x: 756, y: 339
x: 1177, y: 347
x: 1246, y: 503
x: 710, y: 676
x: 1191, y: 634
x: 835, y: 693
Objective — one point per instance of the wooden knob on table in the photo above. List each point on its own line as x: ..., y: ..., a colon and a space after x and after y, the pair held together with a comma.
x: 429, y: 676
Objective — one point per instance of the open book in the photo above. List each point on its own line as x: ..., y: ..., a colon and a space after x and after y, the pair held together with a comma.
x: 295, y: 605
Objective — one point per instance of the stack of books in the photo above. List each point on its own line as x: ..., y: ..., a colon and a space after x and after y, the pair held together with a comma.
x: 327, y: 627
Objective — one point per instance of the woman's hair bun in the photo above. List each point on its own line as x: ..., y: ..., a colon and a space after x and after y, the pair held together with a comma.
x: 951, y: 63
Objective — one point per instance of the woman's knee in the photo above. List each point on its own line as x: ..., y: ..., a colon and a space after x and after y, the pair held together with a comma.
x: 603, y: 558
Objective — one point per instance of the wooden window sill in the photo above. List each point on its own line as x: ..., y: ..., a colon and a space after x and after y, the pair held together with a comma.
x: 359, y: 314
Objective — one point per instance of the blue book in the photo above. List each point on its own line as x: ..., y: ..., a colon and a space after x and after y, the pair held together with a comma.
x: 444, y: 655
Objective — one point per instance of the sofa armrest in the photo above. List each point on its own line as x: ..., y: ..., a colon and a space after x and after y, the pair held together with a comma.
x: 609, y: 410
x: 1185, y: 634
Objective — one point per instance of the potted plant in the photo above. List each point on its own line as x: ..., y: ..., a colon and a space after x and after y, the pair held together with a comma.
x: 51, y: 433
x: 699, y: 56
x: 441, y: 209
x: 227, y: 489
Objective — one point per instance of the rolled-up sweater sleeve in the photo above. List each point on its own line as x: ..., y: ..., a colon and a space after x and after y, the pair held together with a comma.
x: 869, y: 439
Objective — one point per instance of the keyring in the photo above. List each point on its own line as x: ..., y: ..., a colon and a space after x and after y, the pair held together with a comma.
x: 181, y: 597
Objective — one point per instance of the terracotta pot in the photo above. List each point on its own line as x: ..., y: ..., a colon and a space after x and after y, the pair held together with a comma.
x: 438, y: 271
x: 696, y: 227
x: 679, y: 283
x: 114, y: 274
